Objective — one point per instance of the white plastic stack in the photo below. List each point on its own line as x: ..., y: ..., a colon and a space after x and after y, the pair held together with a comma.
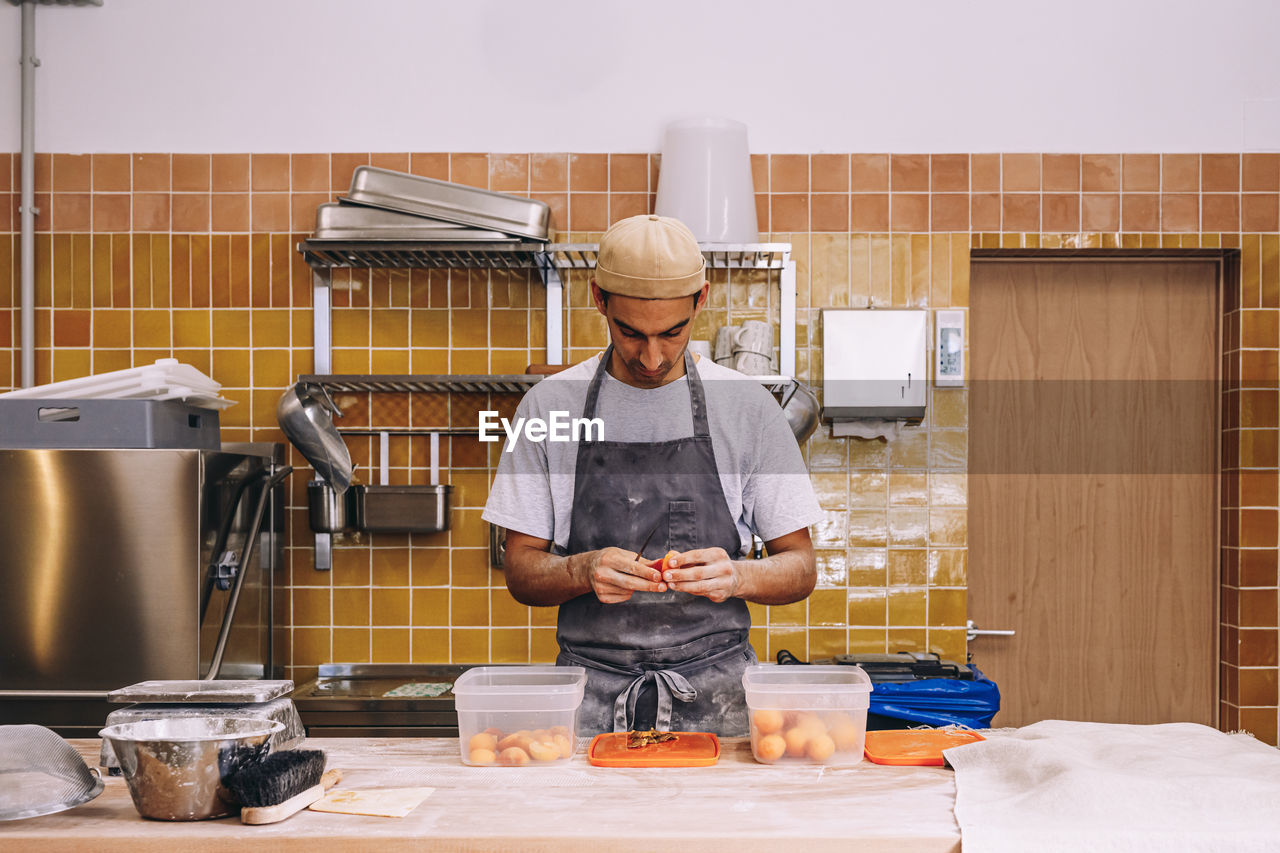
x: 167, y: 379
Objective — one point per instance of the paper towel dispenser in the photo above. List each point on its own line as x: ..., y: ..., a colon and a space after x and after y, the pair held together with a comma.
x: 874, y: 363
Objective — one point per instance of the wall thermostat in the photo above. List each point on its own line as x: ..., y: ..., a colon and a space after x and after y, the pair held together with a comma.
x: 948, y: 349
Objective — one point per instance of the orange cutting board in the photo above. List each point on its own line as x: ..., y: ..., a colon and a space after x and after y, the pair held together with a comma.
x: 689, y: 749
x: 915, y: 746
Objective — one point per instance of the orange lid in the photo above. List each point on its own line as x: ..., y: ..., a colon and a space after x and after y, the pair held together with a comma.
x: 689, y: 749
x: 915, y: 746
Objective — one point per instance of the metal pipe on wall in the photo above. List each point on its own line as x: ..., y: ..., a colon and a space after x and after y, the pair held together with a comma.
x: 27, y: 218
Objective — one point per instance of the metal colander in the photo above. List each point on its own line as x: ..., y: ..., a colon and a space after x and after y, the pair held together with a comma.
x: 40, y: 773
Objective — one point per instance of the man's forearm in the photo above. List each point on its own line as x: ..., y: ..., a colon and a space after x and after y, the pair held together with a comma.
x: 540, y: 578
x: 777, y: 579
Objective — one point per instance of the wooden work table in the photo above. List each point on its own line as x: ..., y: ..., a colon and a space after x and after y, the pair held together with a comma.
x: 737, y: 805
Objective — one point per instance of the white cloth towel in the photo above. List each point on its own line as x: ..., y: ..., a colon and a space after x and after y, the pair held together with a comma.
x: 1068, y: 786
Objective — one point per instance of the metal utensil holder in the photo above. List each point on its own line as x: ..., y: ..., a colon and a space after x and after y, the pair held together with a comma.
x: 403, y: 509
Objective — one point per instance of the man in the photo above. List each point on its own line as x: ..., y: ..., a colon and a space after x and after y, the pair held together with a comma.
x: 694, y: 458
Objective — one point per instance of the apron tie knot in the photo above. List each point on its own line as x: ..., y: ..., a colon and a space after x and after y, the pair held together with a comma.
x: 669, y: 684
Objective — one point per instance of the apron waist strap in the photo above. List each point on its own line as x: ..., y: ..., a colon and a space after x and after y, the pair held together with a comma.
x: 670, y: 684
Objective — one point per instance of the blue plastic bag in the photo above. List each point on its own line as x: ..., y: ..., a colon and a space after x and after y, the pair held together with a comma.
x: 939, y: 701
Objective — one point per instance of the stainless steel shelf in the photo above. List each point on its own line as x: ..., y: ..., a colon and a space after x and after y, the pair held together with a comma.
x: 482, y: 384
x: 423, y: 384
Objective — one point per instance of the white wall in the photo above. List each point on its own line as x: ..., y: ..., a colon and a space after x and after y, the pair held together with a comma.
x: 593, y: 75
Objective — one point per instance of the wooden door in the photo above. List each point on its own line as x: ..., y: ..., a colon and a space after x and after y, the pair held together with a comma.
x: 1093, y: 487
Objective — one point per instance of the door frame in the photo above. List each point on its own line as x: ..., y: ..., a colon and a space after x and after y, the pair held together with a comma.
x: 1228, y: 301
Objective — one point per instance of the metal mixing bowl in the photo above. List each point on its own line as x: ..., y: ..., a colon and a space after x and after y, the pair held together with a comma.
x: 175, y: 766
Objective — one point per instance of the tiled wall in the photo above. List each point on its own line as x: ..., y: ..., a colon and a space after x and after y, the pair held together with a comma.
x: 150, y: 255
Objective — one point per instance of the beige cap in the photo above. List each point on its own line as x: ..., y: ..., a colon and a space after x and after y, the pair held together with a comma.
x: 650, y: 257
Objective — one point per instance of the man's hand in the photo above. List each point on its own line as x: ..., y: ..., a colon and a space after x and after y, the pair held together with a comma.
x: 614, y: 574
x: 706, y: 571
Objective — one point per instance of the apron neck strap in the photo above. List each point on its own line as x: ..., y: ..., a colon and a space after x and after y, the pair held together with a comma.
x: 697, y: 397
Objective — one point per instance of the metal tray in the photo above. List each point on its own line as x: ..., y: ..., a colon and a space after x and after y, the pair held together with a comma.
x: 225, y: 691
x: 397, y: 191
x: 336, y: 221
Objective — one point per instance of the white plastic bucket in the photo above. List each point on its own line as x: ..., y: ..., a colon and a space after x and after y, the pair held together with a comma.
x: 705, y: 180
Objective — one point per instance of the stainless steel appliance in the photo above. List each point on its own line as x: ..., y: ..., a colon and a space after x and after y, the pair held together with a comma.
x: 119, y: 566
x: 380, y: 700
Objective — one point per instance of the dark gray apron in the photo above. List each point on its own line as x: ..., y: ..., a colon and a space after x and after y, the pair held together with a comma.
x: 669, y: 660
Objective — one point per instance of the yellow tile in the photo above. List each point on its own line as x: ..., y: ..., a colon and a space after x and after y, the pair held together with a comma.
x: 918, y: 293
x: 867, y: 566
x: 910, y: 449
x: 900, y: 269
x: 312, y: 646
x: 829, y: 271
x: 908, y: 526
x: 827, y: 607
x: 191, y: 328
x: 430, y: 645
x: 351, y: 606
x: 391, y: 327
x: 759, y: 639
x: 948, y: 488
x: 868, y: 528
x: 832, y: 488
x: 391, y: 607
x: 959, y: 271
x: 231, y: 368
x: 947, y: 567
x: 271, y: 327
x: 352, y: 645
x: 825, y: 452
x: 867, y: 641
x: 827, y: 642
x: 908, y: 488
x: 468, y: 529
x: 351, y: 566
x: 908, y: 566
x: 312, y: 606
x: 432, y: 362
x: 71, y: 364
x: 271, y: 368
x: 940, y: 270
x: 503, y: 361
x: 469, y: 645
x: 350, y: 327
x: 352, y: 361
x: 950, y: 407
x: 867, y: 607
x: 112, y: 329
x: 470, y: 567
x: 867, y: 452
x: 231, y: 328
x: 391, y: 568
x: 832, y: 530
x: 906, y: 607
x: 880, y: 275
x: 868, y: 488
x: 470, y: 488
x: 510, y: 645
x: 393, y: 361
x: 469, y: 362
x: 947, y: 607
x: 788, y: 614
x: 948, y: 644
x: 832, y: 567
x: 469, y: 327
x: 949, y: 449
x: 542, y: 645
x: 105, y: 361
x: 907, y: 640
x: 392, y: 645
x: 430, y: 607
x: 505, y: 610
x: 794, y: 640
x: 509, y: 328
x: 948, y: 527
x: 543, y: 616
x: 469, y: 607
x: 152, y: 328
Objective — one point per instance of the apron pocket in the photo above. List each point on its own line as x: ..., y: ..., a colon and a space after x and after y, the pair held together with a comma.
x: 682, y: 526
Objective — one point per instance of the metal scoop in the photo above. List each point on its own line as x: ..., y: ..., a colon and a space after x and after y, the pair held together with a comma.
x: 40, y: 773
x: 305, y: 413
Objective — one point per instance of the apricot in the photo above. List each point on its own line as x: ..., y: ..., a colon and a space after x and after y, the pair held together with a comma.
x: 483, y: 740
x: 513, y: 756
x: 767, y: 721
x: 796, y: 739
x: 770, y: 748
x: 563, y: 743
x: 820, y: 748
x: 518, y: 739
x: 845, y: 736
x: 540, y: 751
x: 562, y: 731
x: 543, y: 735
x: 482, y: 756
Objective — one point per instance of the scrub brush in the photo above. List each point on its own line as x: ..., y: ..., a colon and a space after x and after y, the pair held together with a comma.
x: 281, y: 784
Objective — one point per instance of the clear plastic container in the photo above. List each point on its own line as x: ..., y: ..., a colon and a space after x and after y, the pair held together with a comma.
x: 807, y: 714
x: 517, y: 716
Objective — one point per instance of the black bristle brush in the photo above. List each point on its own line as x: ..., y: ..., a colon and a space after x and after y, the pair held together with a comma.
x: 281, y: 784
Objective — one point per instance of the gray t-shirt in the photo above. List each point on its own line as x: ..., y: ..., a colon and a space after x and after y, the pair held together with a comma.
x: 762, y: 473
